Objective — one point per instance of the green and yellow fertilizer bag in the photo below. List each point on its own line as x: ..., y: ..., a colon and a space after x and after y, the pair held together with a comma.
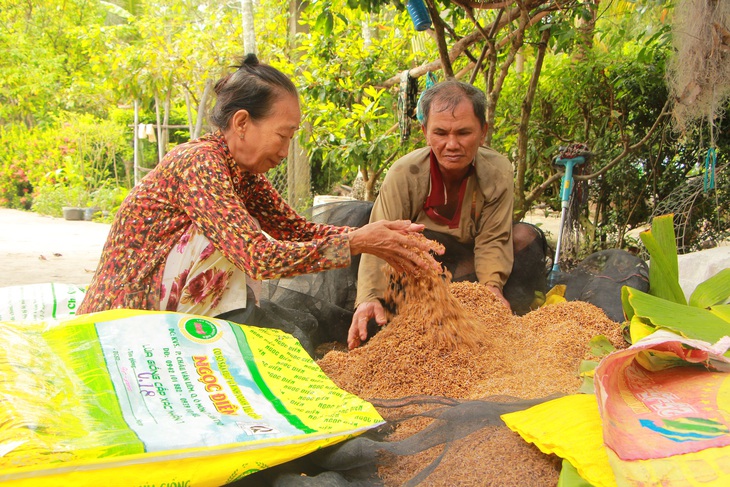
x: 142, y: 398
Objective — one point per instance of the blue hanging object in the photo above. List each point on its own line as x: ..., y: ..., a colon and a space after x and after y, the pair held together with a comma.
x: 430, y: 81
x: 710, y: 163
x: 419, y: 14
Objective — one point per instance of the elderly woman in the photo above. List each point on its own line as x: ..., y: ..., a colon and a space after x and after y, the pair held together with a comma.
x: 201, y: 230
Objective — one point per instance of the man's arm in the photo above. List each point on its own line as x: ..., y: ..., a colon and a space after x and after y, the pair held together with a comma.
x: 493, y: 250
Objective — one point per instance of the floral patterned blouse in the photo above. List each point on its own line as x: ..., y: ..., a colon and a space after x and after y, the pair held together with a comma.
x: 198, y: 183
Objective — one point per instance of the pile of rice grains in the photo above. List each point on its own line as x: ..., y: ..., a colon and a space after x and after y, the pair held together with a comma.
x: 457, y: 340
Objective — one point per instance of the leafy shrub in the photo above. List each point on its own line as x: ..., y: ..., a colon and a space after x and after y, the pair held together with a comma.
x: 62, y: 164
x: 51, y: 201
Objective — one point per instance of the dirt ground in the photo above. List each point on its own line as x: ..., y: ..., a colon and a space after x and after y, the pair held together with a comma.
x: 38, y: 249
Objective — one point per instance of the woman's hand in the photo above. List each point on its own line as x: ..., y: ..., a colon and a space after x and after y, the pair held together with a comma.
x: 400, y: 243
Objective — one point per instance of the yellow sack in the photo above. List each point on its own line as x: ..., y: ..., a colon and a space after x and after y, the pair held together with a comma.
x: 130, y: 397
x: 569, y: 427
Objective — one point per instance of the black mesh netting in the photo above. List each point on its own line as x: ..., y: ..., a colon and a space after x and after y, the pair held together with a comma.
x: 453, y: 430
x: 327, y: 299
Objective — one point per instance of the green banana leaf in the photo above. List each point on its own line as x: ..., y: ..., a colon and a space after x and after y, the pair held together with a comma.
x: 586, y: 369
x: 664, y: 267
x: 689, y: 321
x: 721, y: 310
x: 713, y: 291
x: 628, y: 310
x: 601, y: 346
x: 569, y: 476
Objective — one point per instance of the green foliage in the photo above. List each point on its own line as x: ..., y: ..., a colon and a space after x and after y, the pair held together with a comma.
x: 45, y: 67
x: 664, y: 269
x: 607, y: 94
x: 602, y: 83
x: 351, y: 120
x: 53, y: 199
x: 24, y: 161
x: 569, y: 476
x: 107, y: 199
x: 65, y: 161
x: 155, y: 54
x: 706, y: 317
x: 15, y: 185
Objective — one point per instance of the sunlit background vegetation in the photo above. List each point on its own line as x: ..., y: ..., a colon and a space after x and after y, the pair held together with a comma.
x: 73, y: 72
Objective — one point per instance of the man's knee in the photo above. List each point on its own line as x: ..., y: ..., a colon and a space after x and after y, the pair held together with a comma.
x: 529, y: 272
x: 523, y: 235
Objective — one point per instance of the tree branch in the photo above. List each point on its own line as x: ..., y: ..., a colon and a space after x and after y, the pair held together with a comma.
x: 438, y: 26
x: 628, y: 149
x: 465, y: 42
x: 522, y: 133
x: 483, y: 5
x: 535, y: 193
x: 457, y: 49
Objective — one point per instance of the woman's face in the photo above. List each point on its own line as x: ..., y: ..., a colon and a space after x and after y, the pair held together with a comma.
x: 260, y: 145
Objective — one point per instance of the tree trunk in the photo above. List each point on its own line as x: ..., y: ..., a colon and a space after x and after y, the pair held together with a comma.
x: 136, y: 161
x: 438, y: 26
x: 298, y: 170
x: 367, y: 33
x: 160, y: 149
x: 496, y: 76
x: 249, y: 34
x: 201, y: 110
x: 166, y: 123
x: 521, y: 204
x: 368, y: 182
x: 584, y: 30
x: 296, y: 6
x: 190, y: 114
x: 298, y: 175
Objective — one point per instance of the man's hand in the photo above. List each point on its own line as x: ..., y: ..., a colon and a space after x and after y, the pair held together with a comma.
x: 358, y: 332
x: 499, y: 294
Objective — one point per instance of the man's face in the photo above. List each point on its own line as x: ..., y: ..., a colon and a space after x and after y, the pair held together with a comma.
x: 454, y: 136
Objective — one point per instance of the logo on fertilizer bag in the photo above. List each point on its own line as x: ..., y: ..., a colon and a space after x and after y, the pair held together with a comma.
x: 199, y: 330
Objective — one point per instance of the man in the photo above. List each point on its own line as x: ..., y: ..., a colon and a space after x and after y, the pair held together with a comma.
x: 461, y: 191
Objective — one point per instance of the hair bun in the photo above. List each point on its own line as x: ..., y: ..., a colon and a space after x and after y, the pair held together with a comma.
x: 250, y: 59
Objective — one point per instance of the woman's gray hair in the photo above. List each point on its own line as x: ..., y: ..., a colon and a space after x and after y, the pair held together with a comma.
x: 449, y: 94
x: 253, y: 87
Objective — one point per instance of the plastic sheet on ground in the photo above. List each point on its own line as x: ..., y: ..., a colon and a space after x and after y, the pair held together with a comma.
x: 458, y: 433
x: 697, y: 267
